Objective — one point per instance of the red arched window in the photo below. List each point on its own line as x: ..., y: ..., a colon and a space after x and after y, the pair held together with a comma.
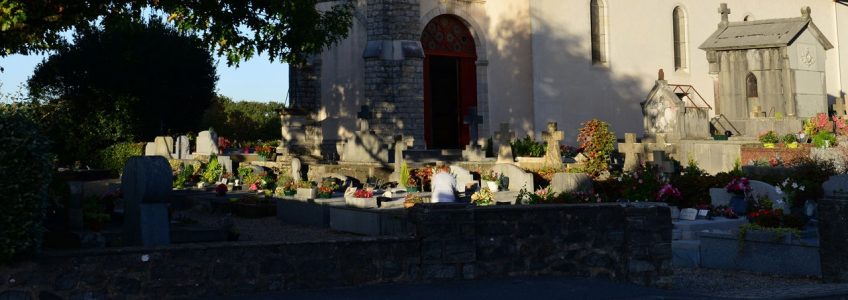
x: 448, y: 35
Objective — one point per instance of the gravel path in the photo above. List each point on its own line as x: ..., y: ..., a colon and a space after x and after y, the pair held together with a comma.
x: 747, y: 285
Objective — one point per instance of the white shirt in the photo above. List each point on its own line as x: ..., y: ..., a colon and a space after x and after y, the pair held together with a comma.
x: 443, y: 187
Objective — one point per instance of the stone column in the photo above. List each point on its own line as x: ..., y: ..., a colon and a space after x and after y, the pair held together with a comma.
x: 394, y: 72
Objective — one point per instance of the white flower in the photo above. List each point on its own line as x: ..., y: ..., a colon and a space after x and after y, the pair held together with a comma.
x: 145, y: 258
x: 801, y: 188
x: 777, y: 190
x: 794, y: 185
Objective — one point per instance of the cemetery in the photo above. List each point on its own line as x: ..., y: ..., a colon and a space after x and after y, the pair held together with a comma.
x: 755, y: 180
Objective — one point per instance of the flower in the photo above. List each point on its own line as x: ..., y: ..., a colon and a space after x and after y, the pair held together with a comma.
x: 483, y: 197
x: 363, y: 193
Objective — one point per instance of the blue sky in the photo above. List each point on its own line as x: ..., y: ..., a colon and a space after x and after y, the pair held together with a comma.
x: 254, y: 80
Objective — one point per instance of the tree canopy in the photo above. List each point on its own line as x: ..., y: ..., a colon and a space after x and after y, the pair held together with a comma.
x: 236, y: 29
x: 123, y: 83
x: 244, y: 121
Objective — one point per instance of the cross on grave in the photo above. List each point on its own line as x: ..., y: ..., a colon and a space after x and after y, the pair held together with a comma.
x: 840, y: 106
x: 472, y: 120
x: 504, y: 137
x: 552, y: 137
x: 725, y: 13
x: 661, y: 144
x: 363, y: 116
x: 663, y: 165
x: 632, y: 152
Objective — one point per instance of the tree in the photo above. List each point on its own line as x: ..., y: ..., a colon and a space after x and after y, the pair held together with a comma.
x: 237, y: 29
x: 123, y: 83
x: 244, y: 121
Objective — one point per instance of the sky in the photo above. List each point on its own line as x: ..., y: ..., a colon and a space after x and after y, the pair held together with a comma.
x: 254, y: 80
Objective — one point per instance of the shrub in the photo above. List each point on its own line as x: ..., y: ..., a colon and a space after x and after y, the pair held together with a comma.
x: 824, y: 139
x: 114, y: 157
x: 597, y: 142
x: 213, y: 170
x: 769, y: 138
x: 789, y: 139
x: 26, y: 173
x: 528, y: 147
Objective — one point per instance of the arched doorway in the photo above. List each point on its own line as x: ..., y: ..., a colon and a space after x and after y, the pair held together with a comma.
x: 450, y: 81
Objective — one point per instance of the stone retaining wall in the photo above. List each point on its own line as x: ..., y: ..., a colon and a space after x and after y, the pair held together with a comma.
x: 450, y: 242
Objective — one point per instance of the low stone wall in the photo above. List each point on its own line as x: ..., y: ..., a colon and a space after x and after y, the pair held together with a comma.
x: 631, y: 244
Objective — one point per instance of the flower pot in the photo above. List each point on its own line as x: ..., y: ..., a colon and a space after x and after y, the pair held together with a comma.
x: 306, y: 193
x: 768, y: 145
x: 408, y: 204
x: 792, y: 145
x: 738, y: 204
x: 289, y: 193
x: 720, y: 137
x: 411, y: 189
x: 492, y: 185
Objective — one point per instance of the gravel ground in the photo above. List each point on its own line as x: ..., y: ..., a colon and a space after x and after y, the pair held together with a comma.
x: 266, y: 229
x: 741, y: 284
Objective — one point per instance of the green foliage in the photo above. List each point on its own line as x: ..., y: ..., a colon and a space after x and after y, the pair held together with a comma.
x: 114, y: 157
x: 243, y: 121
x: 824, y: 139
x: 237, y: 29
x: 598, y: 143
x: 183, y: 175
x: 404, y: 173
x: 528, y: 147
x: 789, y: 139
x: 769, y: 137
x: 213, y: 170
x: 25, y: 173
x: 642, y: 184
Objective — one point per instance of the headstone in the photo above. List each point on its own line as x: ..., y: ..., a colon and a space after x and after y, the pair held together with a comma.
x: 364, y: 147
x: 839, y: 107
x: 504, y: 139
x: 552, y: 137
x: 472, y: 120
x: 571, y: 182
x: 663, y: 165
x: 463, y: 177
x: 632, y: 150
x: 150, y: 149
x: 164, y: 146
x: 401, y: 144
x: 689, y: 214
x: 182, y: 148
x: 836, y: 186
x: 719, y: 196
x: 146, y: 186
x: 295, y: 169
x: 227, y: 163
x: 761, y: 189
x: 516, y: 177
x: 207, y: 142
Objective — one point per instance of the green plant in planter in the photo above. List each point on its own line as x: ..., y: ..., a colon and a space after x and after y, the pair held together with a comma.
x: 183, y: 175
x: 213, y: 170
x: 528, y: 147
x: 824, y: 139
x: 769, y: 138
x: 598, y: 143
x: 404, y: 174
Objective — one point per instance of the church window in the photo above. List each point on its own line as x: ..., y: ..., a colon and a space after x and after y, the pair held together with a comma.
x: 751, y: 84
x: 681, y: 59
x: 599, y: 32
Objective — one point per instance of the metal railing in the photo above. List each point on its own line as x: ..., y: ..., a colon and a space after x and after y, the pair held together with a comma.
x: 690, y: 95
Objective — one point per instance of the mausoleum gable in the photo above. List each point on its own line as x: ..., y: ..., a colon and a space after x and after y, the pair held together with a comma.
x: 772, y: 33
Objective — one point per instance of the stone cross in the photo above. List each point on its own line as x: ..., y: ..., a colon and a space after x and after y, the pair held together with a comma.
x: 632, y: 152
x: 840, y: 106
x: 504, y: 138
x: 663, y: 165
x: 661, y: 144
x: 364, y: 116
x: 725, y: 12
x: 552, y: 137
x: 472, y: 120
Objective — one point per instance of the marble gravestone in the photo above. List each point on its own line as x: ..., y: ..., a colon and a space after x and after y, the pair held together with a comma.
x: 146, y: 185
x: 182, y: 148
x: 516, y: 177
x: 463, y: 178
x: 164, y: 146
x: 207, y: 142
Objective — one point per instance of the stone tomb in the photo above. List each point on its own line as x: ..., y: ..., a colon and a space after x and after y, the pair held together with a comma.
x: 146, y: 185
x: 666, y: 112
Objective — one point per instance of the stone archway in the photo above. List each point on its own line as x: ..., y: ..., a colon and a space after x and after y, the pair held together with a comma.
x: 450, y: 81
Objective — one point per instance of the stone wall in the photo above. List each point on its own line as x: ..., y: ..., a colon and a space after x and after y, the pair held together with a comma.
x: 750, y: 153
x: 630, y: 244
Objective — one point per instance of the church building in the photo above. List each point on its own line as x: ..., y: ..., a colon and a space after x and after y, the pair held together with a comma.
x: 430, y: 69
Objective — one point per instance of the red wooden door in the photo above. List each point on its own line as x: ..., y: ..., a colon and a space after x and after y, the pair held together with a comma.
x: 450, y: 81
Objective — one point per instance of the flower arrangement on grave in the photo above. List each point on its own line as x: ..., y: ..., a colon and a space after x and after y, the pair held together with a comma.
x: 285, y: 186
x: 738, y: 186
x: 790, y: 141
x: 264, y: 151
x: 642, y: 184
x: 824, y: 139
x: 424, y: 176
x: 411, y: 184
x: 364, y: 193
x: 221, y: 190
x: 493, y: 177
x: 769, y: 139
x: 841, y: 125
x: 223, y: 144
x: 791, y: 189
x: 411, y: 199
x: 598, y: 143
x: 483, y: 197
x: 724, y: 211
x: 326, y: 188
x: 669, y: 194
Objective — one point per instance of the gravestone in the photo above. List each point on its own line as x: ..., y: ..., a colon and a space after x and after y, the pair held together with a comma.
x: 364, y: 147
x: 150, y: 149
x: 839, y: 107
x: 463, y: 178
x: 836, y: 186
x: 516, y: 177
x: 146, y: 186
x: 552, y: 137
x: 473, y: 151
x: 227, y: 163
x: 164, y: 146
x: 761, y: 189
x: 633, y: 152
x: 295, y: 169
x: 182, y: 148
x: 207, y: 142
x: 570, y: 183
x: 720, y: 196
x: 504, y: 139
x: 663, y: 165
x: 401, y: 144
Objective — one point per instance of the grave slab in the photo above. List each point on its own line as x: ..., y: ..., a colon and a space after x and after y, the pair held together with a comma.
x: 315, y: 213
x: 371, y: 222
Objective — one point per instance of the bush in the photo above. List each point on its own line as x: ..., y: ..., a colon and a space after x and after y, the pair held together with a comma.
x: 528, y: 147
x: 114, y: 157
x: 213, y: 170
x: 26, y: 173
x: 598, y: 143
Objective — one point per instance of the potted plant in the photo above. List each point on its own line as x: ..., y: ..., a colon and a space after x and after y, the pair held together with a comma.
x: 790, y: 141
x: 325, y: 190
x: 411, y: 199
x: 491, y: 180
x: 671, y: 195
x: 264, y: 152
x: 484, y: 197
x: 306, y: 190
x: 824, y: 139
x: 769, y: 139
x: 739, y: 187
x: 411, y: 185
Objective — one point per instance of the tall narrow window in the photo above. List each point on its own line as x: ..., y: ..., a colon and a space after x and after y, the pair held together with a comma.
x: 599, y: 31
x: 681, y: 59
x: 751, y: 83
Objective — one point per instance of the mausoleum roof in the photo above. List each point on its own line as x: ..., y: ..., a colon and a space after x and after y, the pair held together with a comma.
x: 770, y: 33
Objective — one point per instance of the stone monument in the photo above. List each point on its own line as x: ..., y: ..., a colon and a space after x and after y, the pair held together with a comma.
x: 364, y: 146
x: 472, y: 151
x: 504, y: 139
x: 146, y: 185
x: 207, y: 142
x: 553, y: 156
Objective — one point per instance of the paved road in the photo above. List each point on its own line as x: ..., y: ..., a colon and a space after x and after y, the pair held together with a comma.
x: 512, y: 289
